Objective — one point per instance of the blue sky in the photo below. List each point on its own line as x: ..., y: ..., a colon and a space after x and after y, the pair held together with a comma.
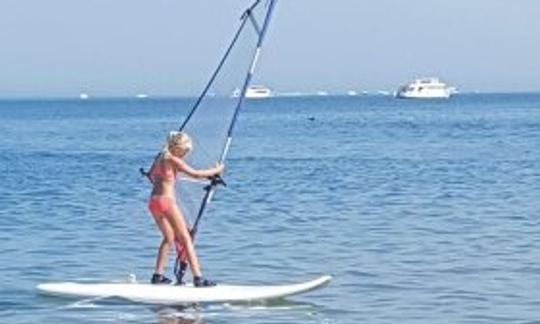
x: 169, y: 47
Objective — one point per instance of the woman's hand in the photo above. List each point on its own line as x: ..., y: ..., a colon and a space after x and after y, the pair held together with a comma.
x: 219, y: 168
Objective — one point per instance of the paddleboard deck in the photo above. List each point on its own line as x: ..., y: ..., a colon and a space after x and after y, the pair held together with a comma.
x: 172, y: 294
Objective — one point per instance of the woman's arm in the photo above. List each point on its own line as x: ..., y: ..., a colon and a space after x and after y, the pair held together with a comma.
x: 181, y: 165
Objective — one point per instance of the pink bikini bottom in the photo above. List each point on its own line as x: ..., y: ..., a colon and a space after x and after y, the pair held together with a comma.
x: 160, y: 205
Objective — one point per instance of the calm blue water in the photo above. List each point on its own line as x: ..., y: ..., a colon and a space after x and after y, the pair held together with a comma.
x: 424, y: 212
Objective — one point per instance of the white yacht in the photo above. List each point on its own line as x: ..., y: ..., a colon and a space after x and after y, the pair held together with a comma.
x: 425, y: 88
x: 83, y: 96
x: 322, y: 93
x: 255, y: 92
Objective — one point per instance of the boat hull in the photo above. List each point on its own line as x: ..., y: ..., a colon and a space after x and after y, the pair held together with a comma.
x: 431, y: 95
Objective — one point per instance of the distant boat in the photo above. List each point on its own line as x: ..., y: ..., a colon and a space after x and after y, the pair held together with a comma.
x: 290, y: 94
x: 141, y: 96
x: 83, y: 96
x: 425, y: 88
x: 255, y: 92
x: 352, y: 93
x: 322, y: 93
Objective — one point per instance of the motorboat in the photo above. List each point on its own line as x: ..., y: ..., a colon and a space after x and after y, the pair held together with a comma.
x: 425, y: 88
x: 255, y: 92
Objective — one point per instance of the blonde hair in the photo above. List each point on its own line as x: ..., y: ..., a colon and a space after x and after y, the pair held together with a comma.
x: 180, y: 139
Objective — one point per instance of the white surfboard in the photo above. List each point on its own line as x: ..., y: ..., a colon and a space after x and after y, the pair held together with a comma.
x: 171, y: 294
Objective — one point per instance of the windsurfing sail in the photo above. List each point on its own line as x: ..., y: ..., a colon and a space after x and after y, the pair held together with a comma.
x: 212, y: 118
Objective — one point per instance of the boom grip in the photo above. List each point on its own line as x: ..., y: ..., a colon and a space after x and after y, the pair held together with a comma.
x: 217, y: 180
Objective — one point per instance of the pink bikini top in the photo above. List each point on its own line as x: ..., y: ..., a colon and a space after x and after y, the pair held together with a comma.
x: 160, y: 172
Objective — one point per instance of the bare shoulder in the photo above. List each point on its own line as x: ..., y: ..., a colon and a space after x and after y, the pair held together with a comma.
x: 166, y: 155
x: 174, y: 161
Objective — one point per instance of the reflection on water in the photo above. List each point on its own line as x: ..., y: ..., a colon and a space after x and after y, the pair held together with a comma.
x: 168, y: 316
x: 197, y: 313
x: 95, y: 308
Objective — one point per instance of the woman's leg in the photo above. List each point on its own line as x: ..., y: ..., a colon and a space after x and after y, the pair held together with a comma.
x: 179, y: 226
x: 168, y: 239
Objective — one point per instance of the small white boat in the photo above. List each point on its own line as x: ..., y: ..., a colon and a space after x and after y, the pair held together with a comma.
x: 255, y: 92
x: 425, y: 88
x: 291, y: 94
x: 83, y: 96
x: 141, y: 96
x: 352, y: 93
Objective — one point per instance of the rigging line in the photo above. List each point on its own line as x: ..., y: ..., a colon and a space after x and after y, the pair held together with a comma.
x: 214, y: 75
x: 254, y: 23
x: 250, y: 9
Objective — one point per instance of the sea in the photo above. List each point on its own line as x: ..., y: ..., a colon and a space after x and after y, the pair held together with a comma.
x: 422, y: 211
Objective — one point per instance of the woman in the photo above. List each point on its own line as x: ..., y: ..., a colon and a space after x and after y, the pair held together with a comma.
x: 162, y: 204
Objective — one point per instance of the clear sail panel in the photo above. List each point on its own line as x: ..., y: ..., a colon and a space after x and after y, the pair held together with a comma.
x: 209, y: 124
